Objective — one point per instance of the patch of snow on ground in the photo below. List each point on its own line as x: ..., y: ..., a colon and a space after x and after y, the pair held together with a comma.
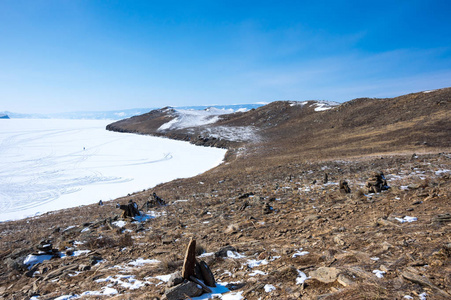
x: 300, y: 253
x: 49, y: 165
x: 407, y: 297
x: 66, y: 297
x: 233, y: 254
x: 257, y: 272
x: 325, y: 105
x: 379, y: 273
x: 301, y: 278
x: 141, y: 262
x: 31, y: 259
x: 191, y: 118
x: 126, y: 281
x: 298, y: 103
x: 423, y: 296
x: 107, y: 291
x: 177, y: 201
x: 440, y: 172
x: 164, y: 278
x: 119, y: 223
x: 206, y: 254
x: 80, y: 252
x: 252, y: 263
x: 232, y: 133
x: 407, y: 219
x: 269, y: 288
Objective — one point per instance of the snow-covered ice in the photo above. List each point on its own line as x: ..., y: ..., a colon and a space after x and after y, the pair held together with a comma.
x: 54, y: 164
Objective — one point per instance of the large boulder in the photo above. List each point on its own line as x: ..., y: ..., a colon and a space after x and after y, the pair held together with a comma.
x: 185, y: 290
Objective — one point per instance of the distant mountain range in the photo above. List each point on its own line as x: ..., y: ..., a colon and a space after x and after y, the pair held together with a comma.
x: 4, y: 116
x: 119, y: 114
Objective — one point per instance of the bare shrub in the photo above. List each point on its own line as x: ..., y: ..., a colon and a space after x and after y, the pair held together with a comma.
x: 200, y: 249
x: 125, y: 241
x: 94, y: 243
x: 170, y: 263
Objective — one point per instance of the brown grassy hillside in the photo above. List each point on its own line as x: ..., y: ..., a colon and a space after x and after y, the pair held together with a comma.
x: 269, y: 200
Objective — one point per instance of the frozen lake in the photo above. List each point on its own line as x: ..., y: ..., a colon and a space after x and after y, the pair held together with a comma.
x: 52, y: 164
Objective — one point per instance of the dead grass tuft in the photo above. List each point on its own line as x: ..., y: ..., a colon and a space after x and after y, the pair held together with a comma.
x: 170, y: 263
x: 360, y: 292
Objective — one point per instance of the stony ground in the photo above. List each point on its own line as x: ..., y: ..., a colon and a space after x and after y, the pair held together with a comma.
x: 284, y: 225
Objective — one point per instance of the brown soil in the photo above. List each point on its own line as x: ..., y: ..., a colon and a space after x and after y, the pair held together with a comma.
x: 355, y: 233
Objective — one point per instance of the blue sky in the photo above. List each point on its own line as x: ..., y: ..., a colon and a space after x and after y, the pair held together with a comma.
x: 58, y: 56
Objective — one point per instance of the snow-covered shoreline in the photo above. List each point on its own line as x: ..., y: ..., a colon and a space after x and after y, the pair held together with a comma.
x: 53, y: 164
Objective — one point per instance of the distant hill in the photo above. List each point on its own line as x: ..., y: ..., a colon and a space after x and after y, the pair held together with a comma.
x: 118, y: 114
x: 313, y: 128
x: 4, y: 116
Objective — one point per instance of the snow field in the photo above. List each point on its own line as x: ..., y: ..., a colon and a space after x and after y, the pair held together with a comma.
x: 52, y: 164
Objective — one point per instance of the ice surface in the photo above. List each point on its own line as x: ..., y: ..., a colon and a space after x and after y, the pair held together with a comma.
x: 54, y: 164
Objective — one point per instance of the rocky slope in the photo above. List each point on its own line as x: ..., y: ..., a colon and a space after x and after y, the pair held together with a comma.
x: 292, y: 231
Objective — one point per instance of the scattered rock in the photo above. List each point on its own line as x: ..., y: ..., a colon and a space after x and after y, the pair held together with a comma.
x: 267, y: 209
x: 84, y: 268
x: 182, y: 291
x: 338, y: 240
x: 208, y: 276
x: 45, y: 246
x: 94, y: 259
x: 245, y: 195
x: 344, y: 187
x: 442, y: 218
x: 205, y: 288
x: 223, y: 251
x: 190, y: 260
x: 153, y: 201
x: 311, y: 218
x: 287, y: 273
x: 376, y: 183
x: 325, y: 275
x: 130, y: 210
x: 423, y: 281
x: 175, y: 279
x: 344, y: 280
